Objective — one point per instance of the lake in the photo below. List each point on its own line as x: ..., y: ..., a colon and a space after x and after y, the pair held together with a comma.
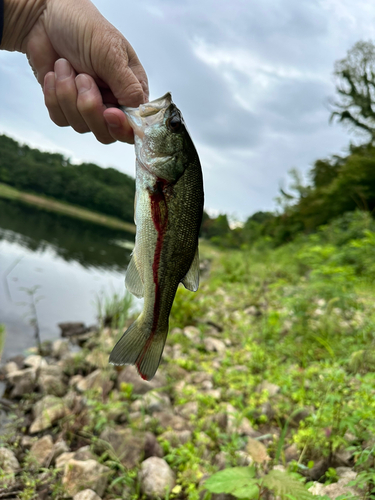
x: 71, y: 262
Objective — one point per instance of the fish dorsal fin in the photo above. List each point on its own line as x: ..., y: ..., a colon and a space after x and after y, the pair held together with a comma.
x: 133, y: 280
x: 191, y: 280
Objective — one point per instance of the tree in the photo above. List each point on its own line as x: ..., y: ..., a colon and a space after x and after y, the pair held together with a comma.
x: 355, y: 77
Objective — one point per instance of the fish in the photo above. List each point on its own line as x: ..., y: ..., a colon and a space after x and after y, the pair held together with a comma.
x: 168, y: 210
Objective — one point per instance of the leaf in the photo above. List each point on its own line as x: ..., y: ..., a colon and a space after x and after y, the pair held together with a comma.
x: 286, y: 486
x: 239, y: 481
x: 257, y: 450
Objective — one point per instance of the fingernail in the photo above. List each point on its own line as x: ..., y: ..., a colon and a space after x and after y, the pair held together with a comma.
x: 112, y: 121
x: 62, y: 69
x: 83, y: 83
x: 49, y: 81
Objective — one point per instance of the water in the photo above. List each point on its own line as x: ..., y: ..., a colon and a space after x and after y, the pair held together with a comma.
x: 71, y: 262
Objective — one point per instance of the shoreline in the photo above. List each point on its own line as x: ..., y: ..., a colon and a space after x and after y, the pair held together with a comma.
x: 50, y: 204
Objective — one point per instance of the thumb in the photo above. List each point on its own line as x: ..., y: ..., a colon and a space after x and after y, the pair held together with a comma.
x: 119, y: 67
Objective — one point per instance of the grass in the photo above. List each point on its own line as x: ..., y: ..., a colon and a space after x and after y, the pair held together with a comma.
x: 50, y: 204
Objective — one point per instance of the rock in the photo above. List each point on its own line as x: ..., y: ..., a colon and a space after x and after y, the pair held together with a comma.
x: 267, y: 410
x: 200, y: 377
x: 214, y: 393
x: 128, y: 445
x: 9, y: 465
x: 97, y: 380
x: 252, y: 311
x: 47, y: 411
x: 79, y: 475
x: 152, y: 447
x: 8, y: 368
x: 272, y: 389
x: 59, y: 448
x: 155, y: 401
x: 221, y: 460
x: 188, y: 409
x: 156, y: 477
x: 60, y: 348
x: 245, y: 428
x: 243, y: 458
x: 129, y: 375
x: 35, y: 361
x: 64, y: 458
x: 214, y: 345
x: 176, y: 438
x: 86, y: 495
x: 291, y: 453
x: 257, y: 451
x: 27, y: 441
x: 170, y: 420
x: 72, y: 329
x: 192, y: 333
x: 23, y: 382
x: 41, y: 450
x: 51, y: 380
x: 98, y: 358
x: 335, y: 490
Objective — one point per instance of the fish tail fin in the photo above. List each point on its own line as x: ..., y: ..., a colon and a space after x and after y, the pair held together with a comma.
x: 137, y: 347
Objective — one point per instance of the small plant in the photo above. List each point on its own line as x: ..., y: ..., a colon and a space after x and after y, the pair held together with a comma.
x: 114, y: 310
x: 2, y: 339
x: 242, y: 482
x: 32, y: 313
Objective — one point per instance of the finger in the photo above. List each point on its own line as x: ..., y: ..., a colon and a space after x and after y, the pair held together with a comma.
x: 66, y: 92
x: 118, y: 125
x: 51, y: 102
x: 91, y: 108
x: 139, y: 72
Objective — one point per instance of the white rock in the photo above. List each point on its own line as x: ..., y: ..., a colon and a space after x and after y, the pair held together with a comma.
x: 214, y: 345
x: 47, y: 411
x: 9, y: 465
x: 79, y: 475
x: 23, y: 381
x: 41, y: 450
x: 191, y: 332
x: 64, y: 458
x: 155, y: 401
x: 35, y: 361
x: 156, y: 477
x: 272, y: 389
x: 86, y: 495
x: 10, y: 367
x: 60, y: 347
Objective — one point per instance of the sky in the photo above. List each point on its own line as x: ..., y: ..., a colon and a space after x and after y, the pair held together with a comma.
x: 252, y: 79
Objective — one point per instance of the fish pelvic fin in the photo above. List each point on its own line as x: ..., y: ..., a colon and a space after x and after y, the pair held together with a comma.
x: 138, y: 348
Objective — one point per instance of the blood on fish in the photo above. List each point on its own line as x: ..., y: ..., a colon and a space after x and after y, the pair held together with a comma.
x: 160, y: 221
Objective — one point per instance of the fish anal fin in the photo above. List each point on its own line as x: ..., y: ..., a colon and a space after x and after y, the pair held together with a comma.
x: 133, y: 279
x: 191, y: 280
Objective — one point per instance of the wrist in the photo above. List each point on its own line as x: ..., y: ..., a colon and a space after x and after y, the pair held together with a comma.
x: 19, y: 18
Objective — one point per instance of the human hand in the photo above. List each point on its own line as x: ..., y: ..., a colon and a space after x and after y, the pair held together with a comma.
x: 85, y: 66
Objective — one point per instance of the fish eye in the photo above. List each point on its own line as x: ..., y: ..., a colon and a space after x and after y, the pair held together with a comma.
x: 174, y: 123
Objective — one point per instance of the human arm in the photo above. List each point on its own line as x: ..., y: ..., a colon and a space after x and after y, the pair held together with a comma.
x: 83, y: 63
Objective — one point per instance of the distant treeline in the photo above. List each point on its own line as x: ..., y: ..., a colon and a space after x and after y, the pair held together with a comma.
x: 103, y: 190
x: 338, y: 185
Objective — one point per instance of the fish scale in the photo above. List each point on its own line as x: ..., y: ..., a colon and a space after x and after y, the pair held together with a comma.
x: 168, y: 214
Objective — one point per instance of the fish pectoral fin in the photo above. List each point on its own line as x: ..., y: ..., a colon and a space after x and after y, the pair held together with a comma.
x: 133, y: 280
x: 191, y: 280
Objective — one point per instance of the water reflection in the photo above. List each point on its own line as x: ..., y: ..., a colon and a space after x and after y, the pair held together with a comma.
x: 72, y: 261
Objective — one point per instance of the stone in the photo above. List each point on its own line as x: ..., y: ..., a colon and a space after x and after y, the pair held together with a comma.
x: 60, y: 348
x: 155, y: 401
x: 243, y: 458
x: 156, y: 477
x: 51, y: 380
x: 47, y: 411
x: 41, y: 450
x: 128, y: 445
x: 9, y: 465
x: 97, y: 380
x: 27, y: 441
x: 188, y: 409
x: 214, y: 345
x: 170, y: 420
x: 23, y: 381
x: 152, y: 447
x: 84, y: 453
x: 335, y: 490
x: 98, y: 358
x: 8, y: 368
x: 291, y: 453
x: 221, y: 460
x: 192, y: 333
x: 272, y: 389
x: 64, y: 458
x: 72, y: 328
x: 86, y: 495
x: 59, y: 448
x: 200, y: 377
x: 214, y: 393
x: 177, y: 438
x: 79, y: 475
x: 129, y: 375
x: 35, y: 361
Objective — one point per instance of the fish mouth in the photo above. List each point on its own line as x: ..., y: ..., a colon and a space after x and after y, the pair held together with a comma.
x: 147, y: 114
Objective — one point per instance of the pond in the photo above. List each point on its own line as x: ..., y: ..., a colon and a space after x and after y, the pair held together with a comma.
x: 69, y: 263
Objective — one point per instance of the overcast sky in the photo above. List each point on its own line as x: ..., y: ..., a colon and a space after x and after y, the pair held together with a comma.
x: 252, y: 79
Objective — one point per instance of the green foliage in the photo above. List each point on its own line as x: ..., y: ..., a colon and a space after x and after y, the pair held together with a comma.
x: 242, y: 482
x: 113, y: 310
x: 2, y: 338
x: 103, y: 190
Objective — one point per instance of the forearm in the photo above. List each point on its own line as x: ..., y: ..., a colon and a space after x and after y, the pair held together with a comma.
x: 19, y: 18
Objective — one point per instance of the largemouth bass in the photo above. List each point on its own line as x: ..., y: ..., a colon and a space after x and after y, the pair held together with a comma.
x: 168, y: 214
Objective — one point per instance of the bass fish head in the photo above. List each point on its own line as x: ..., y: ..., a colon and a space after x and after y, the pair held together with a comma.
x: 162, y: 142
